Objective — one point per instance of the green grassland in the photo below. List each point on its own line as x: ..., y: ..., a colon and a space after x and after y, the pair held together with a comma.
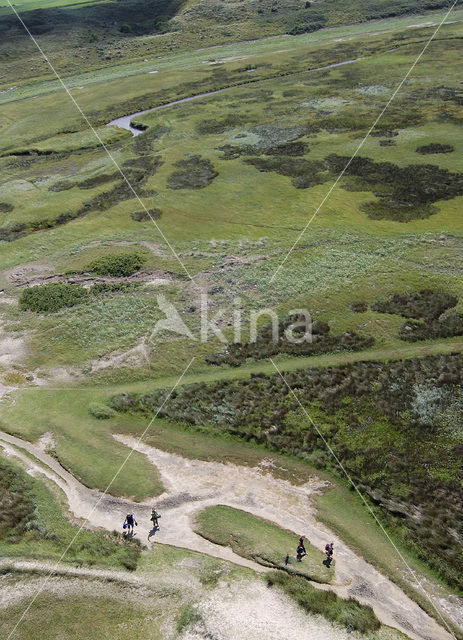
x: 95, y: 34
x: 92, y: 617
x: 260, y: 540
x: 231, y: 233
x: 344, y: 257
x: 83, y: 443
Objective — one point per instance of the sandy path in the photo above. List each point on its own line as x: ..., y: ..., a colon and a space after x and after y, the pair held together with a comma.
x: 193, y: 484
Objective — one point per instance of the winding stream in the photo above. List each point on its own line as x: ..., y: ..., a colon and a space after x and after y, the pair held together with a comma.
x: 125, y: 122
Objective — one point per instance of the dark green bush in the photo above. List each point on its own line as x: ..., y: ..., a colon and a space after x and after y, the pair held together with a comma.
x: 434, y: 148
x: 212, y: 126
x: 297, y: 148
x: 194, y: 173
x: 306, y: 173
x: 305, y: 21
x: 6, y: 207
x: 117, y: 264
x: 95, y: 181
x: 422, y: 304
x: 349, y: 613
x: 143, y: 216
x: 51, y: 297
x: 61, y: 185
x: 17, y: 508
x: 447, y: 326
x: 264, y: 346
x: 101, y: 411
x: 358, y: 307
x: 405, y: 193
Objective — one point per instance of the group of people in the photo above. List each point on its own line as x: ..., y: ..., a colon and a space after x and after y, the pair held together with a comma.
x: 130, y: 521
x: 301, y: 552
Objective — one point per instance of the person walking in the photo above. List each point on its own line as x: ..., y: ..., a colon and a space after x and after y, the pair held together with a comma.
x: 130, y: 522
x: 300, y: 553
x: 155, y: 518
x: 329, y: 550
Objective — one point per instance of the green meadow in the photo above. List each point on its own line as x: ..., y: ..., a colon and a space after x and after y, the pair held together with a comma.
x: 231, y: 180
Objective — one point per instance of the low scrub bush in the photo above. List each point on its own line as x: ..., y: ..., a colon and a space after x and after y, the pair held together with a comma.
x: 194, y: 173
x: 434, y: 148
x: 61, y: 185
x: 95, y: 181
x: 349, y: 613
x: 403, y: 193
x: 358, y: 307
x: 305, y: 173
x: 297, y: 148
x: 46, y: 298
x: 8, y: 234
x: 305, y: 21
x: 143, y: 216
x: 220, y: 126
x: 101, y: 411
x: 6, y: 207
x: 17, y: 508
x: 447, y: 326
x: 117, y: 264
x: 422, y: 304
x: 264, y: 346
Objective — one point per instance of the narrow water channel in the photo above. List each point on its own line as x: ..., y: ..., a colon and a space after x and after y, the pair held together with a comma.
x: 125, y: 122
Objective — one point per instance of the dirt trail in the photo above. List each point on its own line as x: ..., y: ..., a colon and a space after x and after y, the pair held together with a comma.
x: 192, y: 485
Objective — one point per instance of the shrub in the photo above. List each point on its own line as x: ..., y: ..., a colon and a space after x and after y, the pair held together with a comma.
x: 306, y: 173
x: 265, y: 346
x: 219, y: 126
x: 422, y: 304
x: 17, y: 508
x: 51, y: 297
x: 447, y: 326
x: 434, y: 148
x: 143, y: 216
x: 358, y: 307
x: 406, y: 193
x: 117, y: 264
x: 297, y: 148
x: 61, y: 185
x: 6, y: 207
x: 195, y: 173
x: 101, y: 411
x: 95, y: 181
x: 349, y: 613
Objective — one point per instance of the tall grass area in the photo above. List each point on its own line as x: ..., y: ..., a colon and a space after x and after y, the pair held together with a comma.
x: 260, y: 540
x: 32, y: 525
x: 349, y: 613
